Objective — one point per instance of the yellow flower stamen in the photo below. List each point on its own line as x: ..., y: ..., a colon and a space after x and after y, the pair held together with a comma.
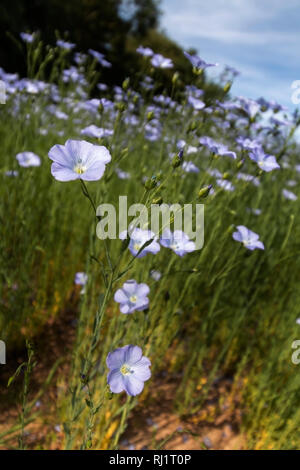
x: 125, y: 369
x: 79, y: 169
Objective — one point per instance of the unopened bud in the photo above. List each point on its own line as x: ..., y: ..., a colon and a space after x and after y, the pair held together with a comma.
x: 150, y: 116
x: 84, y: 379
x: 204, y: 192
x: 121, y: 106
x: 158, y: 201
x: 175, y: 77
x: 125, y: 84
x: 150, y: 183
x: 177, y: 161
x: 227, y: 87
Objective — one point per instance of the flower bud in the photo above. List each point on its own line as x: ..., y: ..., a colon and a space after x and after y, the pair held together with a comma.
x: 204, y: 192
x: 84, y: 379
x: 175, y: 77
x: 176, y: 162
x: 125, y: 84
x: 158, y: 201
x: 150, y: 116
x: 121, y: 106
x: 227, y: 87
x: 150, y: 183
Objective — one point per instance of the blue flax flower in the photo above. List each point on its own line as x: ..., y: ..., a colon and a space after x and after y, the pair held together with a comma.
x: 197, y: 62
x: 27, y: 159
x: 26, y: 37
x: 289, y: 195
x: 132, y: 296
x: 81, y: 279
x: 178, y: 241
x: 129, y: 369
x: 249, y: 239
x: 161, y: 62
x: 264, y: 161
x: 68, y: 46
x: 145, y: 51
x: 78, y: 159
x: 138, y: 237
x: 96, y: 132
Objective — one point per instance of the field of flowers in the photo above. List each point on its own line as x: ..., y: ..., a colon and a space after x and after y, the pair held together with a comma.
x: 145, y: 307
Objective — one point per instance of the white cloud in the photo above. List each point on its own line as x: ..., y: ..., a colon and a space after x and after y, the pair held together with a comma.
x: 258, y: 37
x: 229, y: 21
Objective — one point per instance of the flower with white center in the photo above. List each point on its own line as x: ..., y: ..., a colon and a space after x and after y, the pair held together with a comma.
x: 196, y: 103
x: 96, y: 132
x: 248, y: 238
x: 251, y: 107
x: 78, y: 159
x: 225, y: 184
x: 156, y: 275
x: 132, y: 296
x: 129, y: 369
x: 178, y: 241
x: 161, y: 62
x: 138, y: 238
x: 265, y: 162
x: 145, y: 51
x: 190, y: 167
x: 81, y: 279
x: 27, y: 159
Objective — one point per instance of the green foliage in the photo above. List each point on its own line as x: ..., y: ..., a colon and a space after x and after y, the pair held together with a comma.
x: 220, y: 311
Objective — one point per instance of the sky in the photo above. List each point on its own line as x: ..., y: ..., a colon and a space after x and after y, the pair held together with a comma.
x: 260, y: 38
